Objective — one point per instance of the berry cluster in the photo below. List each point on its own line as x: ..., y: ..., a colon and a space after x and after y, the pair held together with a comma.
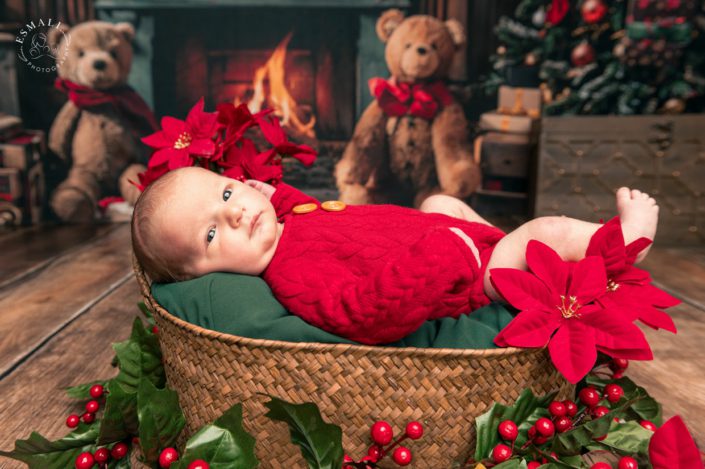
x: 382, y: 436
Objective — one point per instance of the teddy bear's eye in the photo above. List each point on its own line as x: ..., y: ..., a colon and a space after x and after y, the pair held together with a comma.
x: 435, y: 47
x: 80, y: 53
x: 408, y: 44
x: 113, y: 54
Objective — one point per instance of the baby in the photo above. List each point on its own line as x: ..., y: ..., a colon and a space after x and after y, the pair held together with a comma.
x: 371, y: 273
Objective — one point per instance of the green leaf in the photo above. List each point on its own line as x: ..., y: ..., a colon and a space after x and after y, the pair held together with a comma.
x: 123, y: 463
x: 321, y: 443
x: 139, y: 357
x: 224, y: 444
x: 525, y: 412
x: 644, y: 406
x: 511, y: 464
x: 628, y: 438
x: 160, y: 419
x: 120, y: 416
x: 40, y: 453
x: 147, y: 313
x: 82, y: 391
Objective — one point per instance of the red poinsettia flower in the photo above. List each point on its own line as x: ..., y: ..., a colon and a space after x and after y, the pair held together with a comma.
x: 180, y: 142
x: 244, y: 162
x: 235, y: 120
x: 272, y: 131
x: 558, y: 309
x: 672, y: 447
x: 150, y: 175
x: 629, y: 287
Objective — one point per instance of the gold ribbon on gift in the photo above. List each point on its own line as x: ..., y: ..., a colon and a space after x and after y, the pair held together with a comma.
x: 518, y: 108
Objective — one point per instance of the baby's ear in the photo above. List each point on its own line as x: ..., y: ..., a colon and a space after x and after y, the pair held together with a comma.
x: 388, y: 22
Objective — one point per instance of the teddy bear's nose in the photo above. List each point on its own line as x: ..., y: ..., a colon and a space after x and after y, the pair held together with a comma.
x: 99, y: 64
x: 421, y: 50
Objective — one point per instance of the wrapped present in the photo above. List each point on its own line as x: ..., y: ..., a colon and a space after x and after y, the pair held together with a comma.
x: 23, y: 151
x: 519, y: 101
x: 505, y: 160
x: 496, y: 122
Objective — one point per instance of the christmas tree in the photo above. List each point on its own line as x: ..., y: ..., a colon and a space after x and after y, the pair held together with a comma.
x: 606, y: 56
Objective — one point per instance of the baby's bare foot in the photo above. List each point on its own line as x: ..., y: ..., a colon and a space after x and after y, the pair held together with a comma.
x: 638, y: 213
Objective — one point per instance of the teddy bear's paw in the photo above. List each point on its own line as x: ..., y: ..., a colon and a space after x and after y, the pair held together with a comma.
x: 73, y: 205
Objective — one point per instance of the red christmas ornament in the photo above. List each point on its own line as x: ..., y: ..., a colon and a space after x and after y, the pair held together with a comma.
x: 84, y: 461
x: 167, y: 457
x: 199, y: 464
x: 583, y: 54
x: 557, y: 11
x: 593, y: 11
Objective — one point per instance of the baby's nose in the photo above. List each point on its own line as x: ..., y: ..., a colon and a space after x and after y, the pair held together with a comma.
x: 233, y: 215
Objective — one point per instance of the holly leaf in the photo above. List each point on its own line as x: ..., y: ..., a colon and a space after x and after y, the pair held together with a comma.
x: 39, y: 453
x: 525, y: 412
x: 644, y: 406
x: 224, y: 444
x: 123, y: 463
x: 321, y: 443
x: 511, y: 464
x: 160, y: 418
x: 628, y: 438
x: 139, y: 357
x: 120, y: 416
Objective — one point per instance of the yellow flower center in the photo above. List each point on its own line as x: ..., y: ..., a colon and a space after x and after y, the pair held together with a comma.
x: 612, y: 285
x: 183, y: 141
x: 569, y: 307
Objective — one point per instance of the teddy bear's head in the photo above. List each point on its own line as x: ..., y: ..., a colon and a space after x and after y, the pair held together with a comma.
x: 99, y: 53
x: 419, y: 47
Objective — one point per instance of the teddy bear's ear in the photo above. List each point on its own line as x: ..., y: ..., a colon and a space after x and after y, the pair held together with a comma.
x: 388, y: 22
x: 126, y: 29
x: 54, y: 35
x: 457, y: 32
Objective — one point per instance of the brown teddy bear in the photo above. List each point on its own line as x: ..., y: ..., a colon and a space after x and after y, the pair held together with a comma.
x: 412, y: 141
x: 98, y: 130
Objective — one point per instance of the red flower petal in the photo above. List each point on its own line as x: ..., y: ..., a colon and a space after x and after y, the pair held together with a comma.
x: 157, y: 140
x: 633, y: 275
x: 655, y: 318
x: 160, y: 157
x: 672, y: 447
x: 659, y: 298
x: 303, y: 153
x: 178, y: 158
x: 172, y: 128
x: 202, y: 147
x: 635, y: 247
x: 573, y: 350
x: 523, y: 290
x: 608, y: 243
x: 629, y: 354
x: 271, y: 129
x: 201, y: 124
x: 548, y: 266
x: 612, y: 331
x: 588, y: 280
x: 530, y: 328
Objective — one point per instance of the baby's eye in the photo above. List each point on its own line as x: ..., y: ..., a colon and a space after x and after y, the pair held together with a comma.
x: 211, y: 235
x: 226, y: 194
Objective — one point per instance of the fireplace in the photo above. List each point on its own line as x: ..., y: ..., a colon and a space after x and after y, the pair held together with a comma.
x: 325, y: 50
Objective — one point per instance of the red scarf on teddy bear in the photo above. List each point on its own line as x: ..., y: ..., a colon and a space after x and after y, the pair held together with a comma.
x: 420, y: 99
x: 124, y: 98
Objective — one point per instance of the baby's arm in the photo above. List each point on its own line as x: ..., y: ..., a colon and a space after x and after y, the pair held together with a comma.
x: 283, y: 197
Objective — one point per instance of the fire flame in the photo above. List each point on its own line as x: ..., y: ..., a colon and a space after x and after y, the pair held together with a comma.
x: 284, y: 105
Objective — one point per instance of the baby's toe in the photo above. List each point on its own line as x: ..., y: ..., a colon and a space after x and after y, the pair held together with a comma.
x: 623, y: 194
x: 636, y: 194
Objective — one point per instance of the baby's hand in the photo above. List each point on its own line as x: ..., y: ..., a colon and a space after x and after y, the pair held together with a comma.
x: 263, y: 187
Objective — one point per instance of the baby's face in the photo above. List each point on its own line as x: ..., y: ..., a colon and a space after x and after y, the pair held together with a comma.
x: 228, y: 226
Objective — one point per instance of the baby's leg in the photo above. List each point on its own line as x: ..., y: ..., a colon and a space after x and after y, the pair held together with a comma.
x: 570, y: 237
x: 452, y: 207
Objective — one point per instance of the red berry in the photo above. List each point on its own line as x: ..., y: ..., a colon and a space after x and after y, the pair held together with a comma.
x: 414, y: 430
x: 540, y: 439
x: 155, y: 330
x: 600, y: 438
x: 508, y: 430
x: 589, y: 397
x: 119, y: 451
x: 563, y: 424
x: 599, y: 411
x: 167, y: 457
x: 557, y: 409
x: 374, y: 452
x: 501, y: 453
x: 72, y: 421
x: 533, y: 465
x: 600, y: 465
x: 92, y: 406
x: 96, y: 391
x: 618, y: 374
x: 571, y: 408
x: 84, y: 461
x: 613, y: 392
x: 628, y: 463
x: 402, y: 456
x: 347, y: 458
x: 619, y: 364
x: 88, y: 417
x: 545, y: 427
x: 648, y: 425
x: 382, y: 433
x: 532, y: 433
x: 198, y: 464
x: 101, y: 455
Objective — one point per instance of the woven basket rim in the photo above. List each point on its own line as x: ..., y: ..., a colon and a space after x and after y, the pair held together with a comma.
x: 231, y: 339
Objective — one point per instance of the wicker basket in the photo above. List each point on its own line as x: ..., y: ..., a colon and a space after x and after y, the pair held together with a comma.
x: 352, y: 385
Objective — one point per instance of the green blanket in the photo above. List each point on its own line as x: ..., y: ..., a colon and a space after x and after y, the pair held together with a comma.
x: 244, y: 305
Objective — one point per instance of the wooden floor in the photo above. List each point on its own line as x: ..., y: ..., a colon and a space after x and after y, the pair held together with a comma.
x: 67, y: 293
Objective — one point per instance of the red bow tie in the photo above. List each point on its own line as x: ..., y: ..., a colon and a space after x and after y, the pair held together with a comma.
x: 421, y: 100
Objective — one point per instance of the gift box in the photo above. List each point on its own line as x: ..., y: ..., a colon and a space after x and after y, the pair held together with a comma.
x: 23, y: 151
x: 505, y: 160
x: 496, y: 122
x: 519, y: 101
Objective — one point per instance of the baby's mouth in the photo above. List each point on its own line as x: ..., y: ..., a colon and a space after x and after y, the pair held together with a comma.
x: 253, y: 223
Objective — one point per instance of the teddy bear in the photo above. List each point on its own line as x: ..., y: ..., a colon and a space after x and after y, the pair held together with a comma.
x: 99, y: 128
x: 412, y: 141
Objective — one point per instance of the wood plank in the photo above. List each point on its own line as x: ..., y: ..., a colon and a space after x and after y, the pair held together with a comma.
x: 675, y: 376
x: 26, y: 250
x: 680, y: 271
x: 37, y: 308
x: 32, y: 395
